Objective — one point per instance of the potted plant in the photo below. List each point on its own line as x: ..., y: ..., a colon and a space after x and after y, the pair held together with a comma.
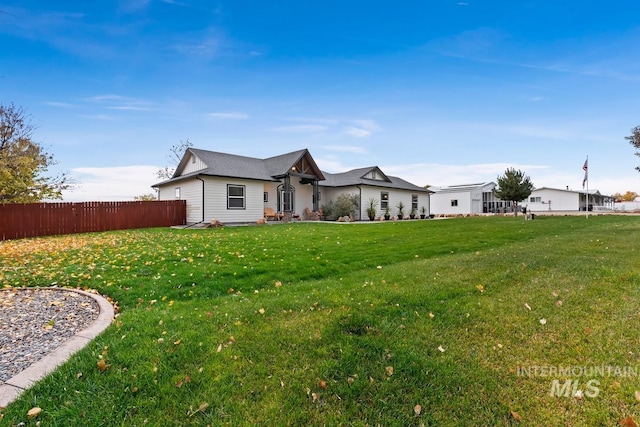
x: 400, y: 207
x: 412, y: 214
x: 387, y: 214
x: 423, y: 212
x: 371, y: 208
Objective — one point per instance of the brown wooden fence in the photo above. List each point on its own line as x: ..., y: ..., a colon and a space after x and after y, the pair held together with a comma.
x: 45, y: 219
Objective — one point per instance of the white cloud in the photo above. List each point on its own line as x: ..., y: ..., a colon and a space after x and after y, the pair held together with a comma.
x: 59, y: 104
x: 231, y: 115
x: 111, y: 183
x: 367, y: 124
x: 357, y: 132
x: 362, y: 128
x: 98, y: 117
x: 345, y: 149
x: 119, y: 102
x: 301, y: 129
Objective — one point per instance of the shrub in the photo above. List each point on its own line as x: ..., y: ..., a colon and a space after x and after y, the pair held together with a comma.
x: 345, y: 205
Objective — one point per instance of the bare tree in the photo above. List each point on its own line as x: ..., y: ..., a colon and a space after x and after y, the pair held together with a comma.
x: 634, y: 139
x: 176, y: 152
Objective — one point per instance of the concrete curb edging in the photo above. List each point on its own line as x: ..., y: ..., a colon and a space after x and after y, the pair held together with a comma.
x: 13, y: 387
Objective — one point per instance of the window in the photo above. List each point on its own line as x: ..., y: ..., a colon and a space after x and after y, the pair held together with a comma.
x: 177, y: 192
x: 235, y: 196
x: 535, y: 199
x: 384, y: 200
x: 454, y: 202
x: 266, y: 197
x: 414, y: 202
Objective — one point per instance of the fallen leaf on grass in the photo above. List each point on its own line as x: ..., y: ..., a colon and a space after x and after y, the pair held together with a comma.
x: 102, y: 365
x: 389, y: 370
x: 417, y: 409
x: 441, y: 349
x: 203, y: 407
x: 527, y: 306
x: 543, y: 321
x: 628, y: 422
x: 515, y: 416
x: 261, y: 311
x: 314, y: 397
x: 323, y: 384
x: 480, y: 288
x: 637, y: 395
x: 33, y: 412
x: 431, y: 315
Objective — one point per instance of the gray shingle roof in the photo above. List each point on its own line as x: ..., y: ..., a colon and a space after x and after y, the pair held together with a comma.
x: 234, y: 166
x: 230, y: 165
x: 355, y: 177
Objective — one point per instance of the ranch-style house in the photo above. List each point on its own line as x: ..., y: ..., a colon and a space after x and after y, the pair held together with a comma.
x: 238, y: 189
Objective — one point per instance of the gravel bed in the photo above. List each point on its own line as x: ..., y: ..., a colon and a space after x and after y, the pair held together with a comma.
x: 36, y: 321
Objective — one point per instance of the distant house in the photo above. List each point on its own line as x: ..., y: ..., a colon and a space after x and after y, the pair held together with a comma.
x: 239, y: 189
x: 556, y: 199
x: 467, y: 199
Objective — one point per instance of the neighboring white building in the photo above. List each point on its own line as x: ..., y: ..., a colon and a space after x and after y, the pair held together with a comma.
x: 627, y: 206
x: 556, y: 199
x: 467, y: 199
x: 239, y: 189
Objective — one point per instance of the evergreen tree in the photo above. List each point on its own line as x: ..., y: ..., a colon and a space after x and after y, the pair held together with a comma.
x: 515, y: 186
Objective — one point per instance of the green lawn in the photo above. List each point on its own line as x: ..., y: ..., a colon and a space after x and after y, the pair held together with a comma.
x: 436, y: 322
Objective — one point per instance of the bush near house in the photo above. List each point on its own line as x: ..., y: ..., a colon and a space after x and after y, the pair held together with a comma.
x: 345, y: 205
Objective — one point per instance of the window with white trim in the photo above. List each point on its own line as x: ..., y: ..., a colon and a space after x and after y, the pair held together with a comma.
x: 235, y: 196
x: 177, y: 192
x: 384, y: 200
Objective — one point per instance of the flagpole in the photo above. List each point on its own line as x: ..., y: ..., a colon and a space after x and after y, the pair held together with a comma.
x: 586, y: 175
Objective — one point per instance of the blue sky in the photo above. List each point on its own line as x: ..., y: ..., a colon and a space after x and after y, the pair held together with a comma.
x: 437, y: 92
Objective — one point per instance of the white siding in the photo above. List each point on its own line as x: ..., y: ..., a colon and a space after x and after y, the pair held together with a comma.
x: 304, y: 198
x: 553, y: 200
x: 194, y: 164
x: 441, y: 202
x: 216, y: 200
x: 367, y: 192
x: 191, y: 191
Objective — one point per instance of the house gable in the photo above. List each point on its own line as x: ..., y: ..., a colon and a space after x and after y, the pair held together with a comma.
x: 298, y: 163
x: 375, y: 174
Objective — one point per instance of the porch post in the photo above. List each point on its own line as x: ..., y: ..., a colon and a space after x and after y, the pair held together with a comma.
x: 287, y: 202
x: 316, y: 202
